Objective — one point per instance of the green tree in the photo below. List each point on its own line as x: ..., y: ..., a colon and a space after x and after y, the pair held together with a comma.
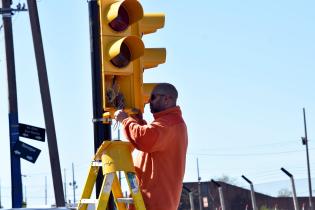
x: 264, y: 208
x: 24, y: 204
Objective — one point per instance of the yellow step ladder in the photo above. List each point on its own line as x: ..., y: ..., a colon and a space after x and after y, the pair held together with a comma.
x: 112, y: 156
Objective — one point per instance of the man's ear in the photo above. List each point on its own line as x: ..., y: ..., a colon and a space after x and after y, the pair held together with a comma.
x: 168, y: 100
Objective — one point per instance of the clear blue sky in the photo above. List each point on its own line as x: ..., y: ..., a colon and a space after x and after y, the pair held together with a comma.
x: 244, y: 71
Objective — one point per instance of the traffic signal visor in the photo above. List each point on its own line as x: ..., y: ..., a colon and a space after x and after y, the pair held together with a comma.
x: 117, y: 16
x: 119, y: 53
x: 151, y: 22
x: 153, y: 57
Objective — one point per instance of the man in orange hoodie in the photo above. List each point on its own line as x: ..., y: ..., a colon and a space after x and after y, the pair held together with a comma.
x: 160, y: 165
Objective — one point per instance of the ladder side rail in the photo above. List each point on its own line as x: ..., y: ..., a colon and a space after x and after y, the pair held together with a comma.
x: 105, y: 191
x: 88, y: 186
x: 135, y: 190
x: 117, y: 193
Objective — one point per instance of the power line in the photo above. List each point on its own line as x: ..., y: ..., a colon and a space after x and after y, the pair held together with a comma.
x: 258, y: 146
x: 246, y: 154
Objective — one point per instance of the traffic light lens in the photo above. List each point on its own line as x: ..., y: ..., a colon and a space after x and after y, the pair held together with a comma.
x: 121, y: 22
x: 123, y: 58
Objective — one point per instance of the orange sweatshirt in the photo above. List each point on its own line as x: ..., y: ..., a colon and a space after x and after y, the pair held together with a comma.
x: 160, y: 165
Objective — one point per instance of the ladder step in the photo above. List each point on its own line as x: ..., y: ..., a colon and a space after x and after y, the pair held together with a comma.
x: 88, y: 201
x: 97, y: 163
x: 125, y: 200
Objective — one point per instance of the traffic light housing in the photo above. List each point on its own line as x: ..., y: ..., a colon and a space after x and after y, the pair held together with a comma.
x: 123, y: 55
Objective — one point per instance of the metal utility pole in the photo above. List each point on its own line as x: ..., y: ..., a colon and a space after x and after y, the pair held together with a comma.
x: 46, y: 103
x: 65, y: 183
x: 16, y: 180
x: 199, y: 187
x: 25, y: 195
x: 102, y: 132
x: 45, y: 190
x: 295, y: 201
x: 0, y: 196
x: 252, y: 193
x: 73, y: 184
x: 118, y: 138
x: 305, y: 142
x: 191, y: 197
x: 220, y: 194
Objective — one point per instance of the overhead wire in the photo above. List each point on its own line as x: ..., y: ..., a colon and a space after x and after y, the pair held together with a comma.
x: 247, y: 154
x: 280, y: 143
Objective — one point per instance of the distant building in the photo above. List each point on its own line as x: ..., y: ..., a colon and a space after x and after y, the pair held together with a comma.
x: 236, y: 198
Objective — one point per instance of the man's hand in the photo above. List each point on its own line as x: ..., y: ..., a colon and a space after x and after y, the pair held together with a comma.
x: 120, y: 115
x: 136, y: 114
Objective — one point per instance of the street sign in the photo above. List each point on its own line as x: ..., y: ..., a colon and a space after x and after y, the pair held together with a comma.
x: 26, y: 151
x: 32, y: 132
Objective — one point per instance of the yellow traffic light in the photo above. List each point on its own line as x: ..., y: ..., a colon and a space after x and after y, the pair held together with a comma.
x: 123, y: 55
x: 152, y: 56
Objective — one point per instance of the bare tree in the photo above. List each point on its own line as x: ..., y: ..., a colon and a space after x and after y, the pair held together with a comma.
x: 227, y: 179
x: 284, y: 192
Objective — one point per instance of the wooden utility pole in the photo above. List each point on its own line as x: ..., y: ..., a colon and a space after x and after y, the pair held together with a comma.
x: 46, y: 103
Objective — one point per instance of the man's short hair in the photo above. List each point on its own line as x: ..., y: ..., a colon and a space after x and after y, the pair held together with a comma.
x: 167, y: 89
